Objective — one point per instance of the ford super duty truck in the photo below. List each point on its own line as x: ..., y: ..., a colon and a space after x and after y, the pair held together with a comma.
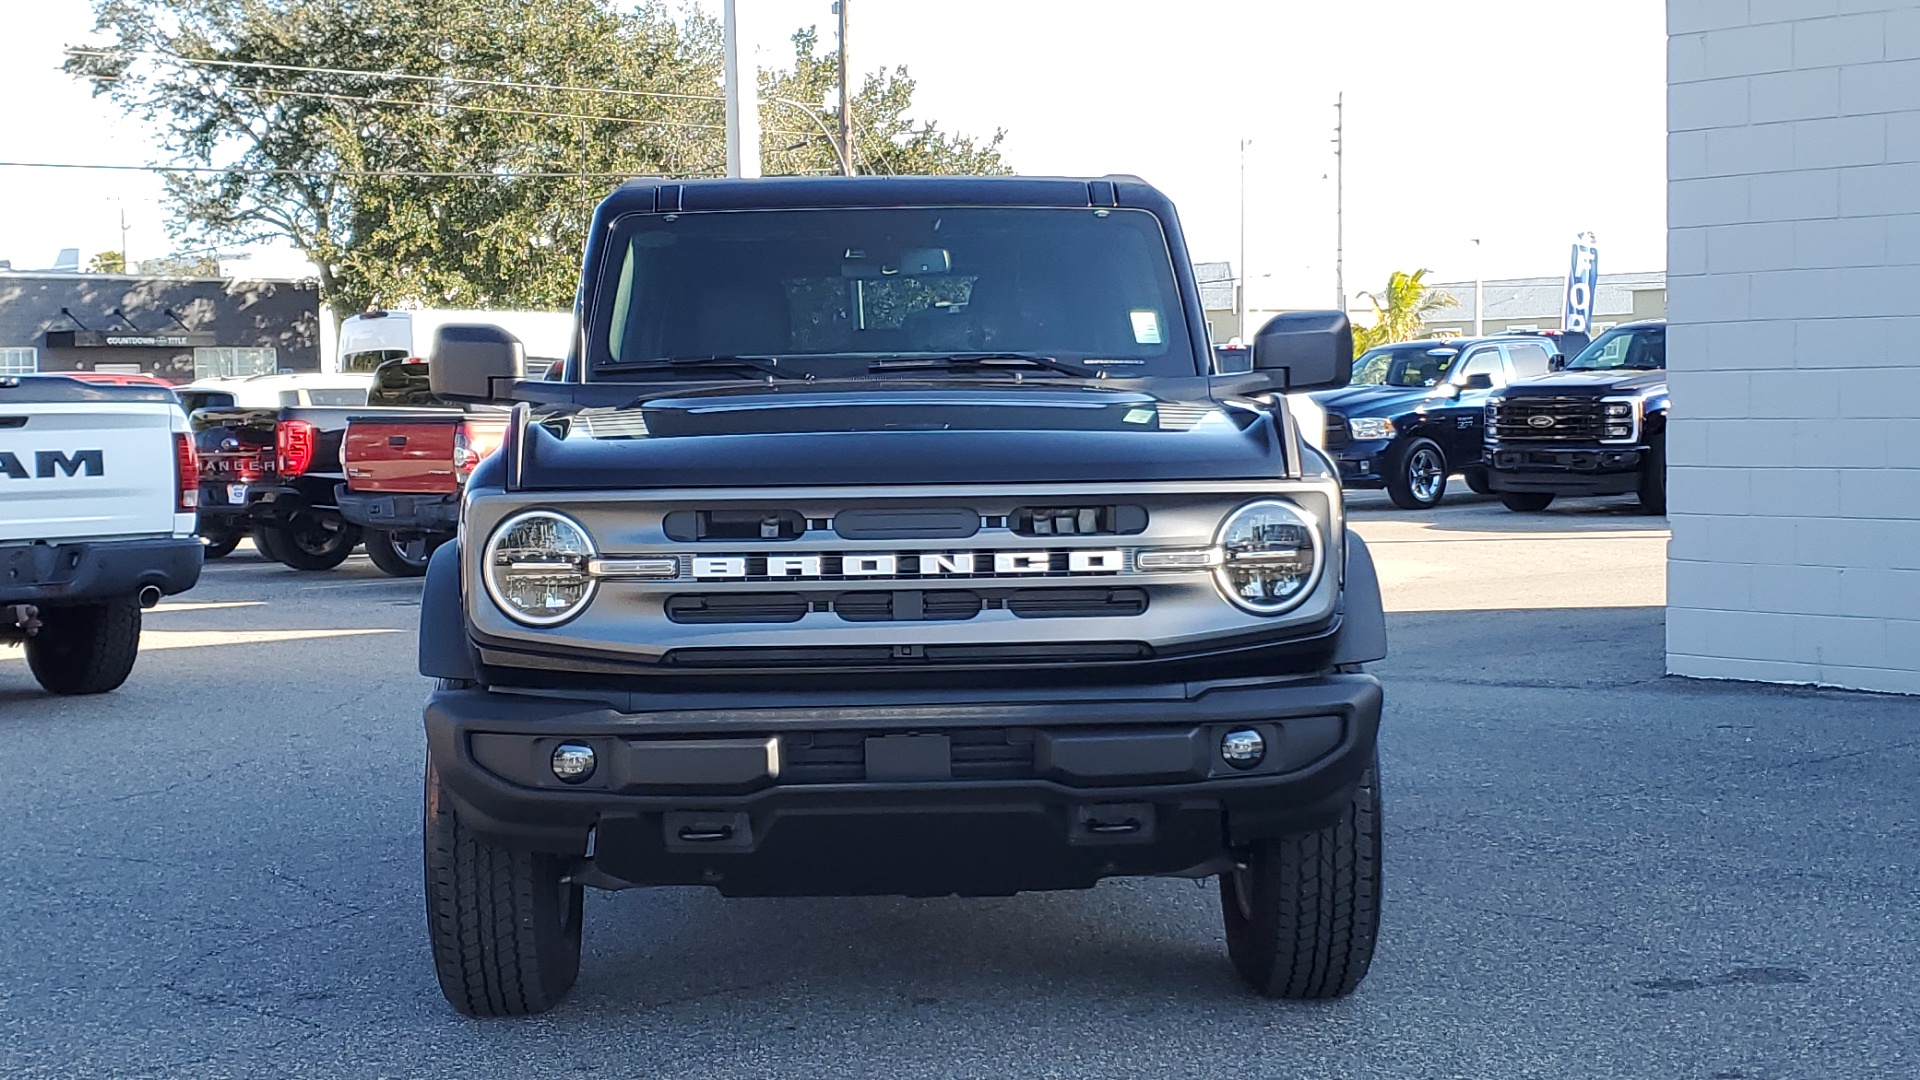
x: 895, y: 535
x: 98, y: 486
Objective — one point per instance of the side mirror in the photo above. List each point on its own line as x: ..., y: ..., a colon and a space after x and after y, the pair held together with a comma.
x: 1306, y: 350
x: 1557, y: 363
x: 1481, y: 381
x: 475, y: 362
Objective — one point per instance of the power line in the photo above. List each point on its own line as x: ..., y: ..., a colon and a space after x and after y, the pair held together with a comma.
x: 364, y: 173
x: 360, y: 100
x: 441, y: 79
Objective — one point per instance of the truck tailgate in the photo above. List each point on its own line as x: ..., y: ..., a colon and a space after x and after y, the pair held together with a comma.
x: 92, y: 469
x: 403, y: 454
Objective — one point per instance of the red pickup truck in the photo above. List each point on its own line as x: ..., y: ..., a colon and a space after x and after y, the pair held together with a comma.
x: 405, y: 470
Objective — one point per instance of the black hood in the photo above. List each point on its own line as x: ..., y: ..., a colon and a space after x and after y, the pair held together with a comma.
x: 922, y: 434
x: 1372, y: 400
x: 1621, y: 381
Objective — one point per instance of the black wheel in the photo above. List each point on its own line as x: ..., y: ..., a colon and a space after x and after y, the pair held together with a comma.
x: 310, y: 541
x: 402, y: 554
x: 1417, y: 475
x: 263, y: 543
x: 86, y: 648
x: 220, y: 543
x: 1653, y: 476
x: 1303, y: 915
x: 1526, y: 502
x: 505, y: 927
x: 1477, y: 481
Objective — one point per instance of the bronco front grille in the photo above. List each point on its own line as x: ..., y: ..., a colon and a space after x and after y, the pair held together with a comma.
x: 904, y: 605
x: 1545, y: 419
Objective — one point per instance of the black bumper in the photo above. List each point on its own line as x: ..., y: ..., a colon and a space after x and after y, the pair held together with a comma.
x: 53, y: 574
x: 871, y: 796
x: 399, y: 513
x: 266, y: 502
x: 1586, y: 470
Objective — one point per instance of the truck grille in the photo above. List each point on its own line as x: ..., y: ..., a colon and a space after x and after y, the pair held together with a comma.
x: 840, y: 757
x: 1545, y: 419
x: 905, y: 605
x: 1336, y: 431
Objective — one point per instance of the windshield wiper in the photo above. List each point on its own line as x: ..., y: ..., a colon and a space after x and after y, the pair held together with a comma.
x: 951, y: 361
x: 737, y: 365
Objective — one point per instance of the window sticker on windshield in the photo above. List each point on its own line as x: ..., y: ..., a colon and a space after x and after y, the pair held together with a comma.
x: 1146, y: 326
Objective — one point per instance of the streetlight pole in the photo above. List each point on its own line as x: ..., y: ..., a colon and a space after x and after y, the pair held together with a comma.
x: 1340, y: 201
x: 1240, y: 284
x: 743, y: 101
x: 846, y: 101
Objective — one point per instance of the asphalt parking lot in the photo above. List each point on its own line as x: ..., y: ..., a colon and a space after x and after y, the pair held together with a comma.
x: 1594, y: 871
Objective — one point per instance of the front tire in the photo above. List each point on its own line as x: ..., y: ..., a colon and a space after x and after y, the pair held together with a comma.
x: 1477, y: 481
x: 401, y: 554
x: 1303, y: 915
x: 309, y: 541
x: 504, y: 926
x: 1526, y: 502
x: 1417, y: 478
x: 86, y: 648
x: 1653, y: 477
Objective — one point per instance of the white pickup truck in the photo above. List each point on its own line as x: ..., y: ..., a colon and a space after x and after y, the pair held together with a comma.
x: 98, y: 488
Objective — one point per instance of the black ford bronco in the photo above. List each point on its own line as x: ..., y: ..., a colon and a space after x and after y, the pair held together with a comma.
x: 894, y: 536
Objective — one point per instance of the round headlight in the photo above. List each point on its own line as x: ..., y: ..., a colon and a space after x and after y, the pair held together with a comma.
x: 536, y: 568
x: 1270, y: 556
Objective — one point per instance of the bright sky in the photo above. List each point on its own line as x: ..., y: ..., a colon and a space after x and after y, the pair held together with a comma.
x: 1518, y: 122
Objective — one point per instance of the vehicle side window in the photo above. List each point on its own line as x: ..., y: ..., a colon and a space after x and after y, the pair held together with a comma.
x: 1484, y: 362
x: 1528, y: 359
x: 289, y: 399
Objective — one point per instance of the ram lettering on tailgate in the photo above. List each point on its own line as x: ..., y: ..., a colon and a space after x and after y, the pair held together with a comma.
x: 48, y: 464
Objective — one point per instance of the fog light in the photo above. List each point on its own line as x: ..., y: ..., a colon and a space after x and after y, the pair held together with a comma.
x: 573, y: 762
x: 1243, y: 749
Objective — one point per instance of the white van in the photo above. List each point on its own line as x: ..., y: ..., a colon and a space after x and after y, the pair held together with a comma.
x: 368, y: 339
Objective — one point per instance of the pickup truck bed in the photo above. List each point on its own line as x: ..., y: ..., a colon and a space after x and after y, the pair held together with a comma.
x: 404, y: 473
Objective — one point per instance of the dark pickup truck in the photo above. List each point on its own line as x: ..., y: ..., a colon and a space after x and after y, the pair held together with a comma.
x: 1598, y: 426
x: 405, y: 470
x: 271, y: 472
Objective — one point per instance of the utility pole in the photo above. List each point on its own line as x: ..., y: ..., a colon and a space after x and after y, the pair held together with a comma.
x: 1479, y: 327
x: 846, y: 101
x: 1240, y: 281
x: 743, y: 101
x: 125, y: 266
x: 1340, y: 201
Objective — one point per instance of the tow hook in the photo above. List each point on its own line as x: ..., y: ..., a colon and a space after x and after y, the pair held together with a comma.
x: 19, y: 620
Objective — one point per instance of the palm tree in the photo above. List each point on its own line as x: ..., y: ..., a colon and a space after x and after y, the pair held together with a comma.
x: 1408, y: 303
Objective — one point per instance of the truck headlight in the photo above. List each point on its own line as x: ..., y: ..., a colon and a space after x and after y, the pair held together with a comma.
x: 535, y: 567
x: 1370, y: 427
x: 1270, y: 556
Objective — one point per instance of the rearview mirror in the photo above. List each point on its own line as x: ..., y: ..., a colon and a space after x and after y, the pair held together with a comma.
x: 1306, y: 350
x: 475, y: 362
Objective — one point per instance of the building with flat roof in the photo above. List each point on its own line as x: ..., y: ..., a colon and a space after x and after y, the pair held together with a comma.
x: 1535, y: 303
x: 178, y: 329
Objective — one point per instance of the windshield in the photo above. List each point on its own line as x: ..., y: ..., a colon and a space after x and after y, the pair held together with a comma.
x: 827, y: 292
x: 1404, y: 365
x: 1640, y: 349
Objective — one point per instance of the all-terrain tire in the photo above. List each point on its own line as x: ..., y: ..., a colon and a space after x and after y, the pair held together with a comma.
x: 1303, y: 916
x: 220, y: 543
x: 86, y: 648
x: 1417, y: 475
x: 505, y: 928
x: 309, y: 542
x: 401, y: 554
x: 1653, y: 476
x: 1526, y: 502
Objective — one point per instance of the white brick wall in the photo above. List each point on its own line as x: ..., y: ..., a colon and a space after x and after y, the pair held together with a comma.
x: 1794, y: 294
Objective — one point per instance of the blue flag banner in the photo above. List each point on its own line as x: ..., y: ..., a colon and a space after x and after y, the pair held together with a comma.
x: 1583, y: 280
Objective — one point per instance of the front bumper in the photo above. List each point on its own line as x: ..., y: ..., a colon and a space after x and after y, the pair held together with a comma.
x: 865, y: 795
x: 1363, y: 462
x: 54, y: 574
x: 399, y: 513
x: 1566, y: 470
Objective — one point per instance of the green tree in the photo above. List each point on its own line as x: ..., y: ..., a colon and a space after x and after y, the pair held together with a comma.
x: 886, y: 140
x: 203, y: 266
x: 449, y: 152
x: 107, y: 262
x: 1400, y: 311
